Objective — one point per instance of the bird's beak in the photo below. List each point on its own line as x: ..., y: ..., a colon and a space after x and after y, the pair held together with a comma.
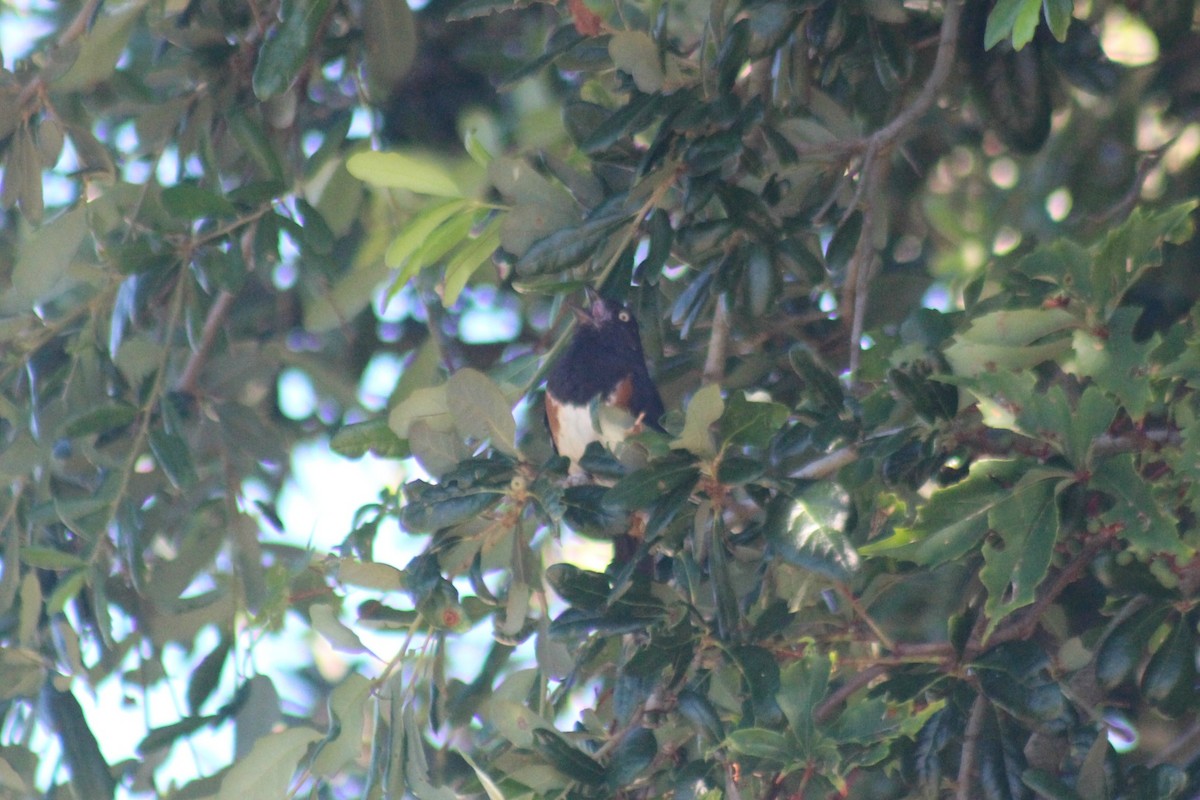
x: 588, y: 314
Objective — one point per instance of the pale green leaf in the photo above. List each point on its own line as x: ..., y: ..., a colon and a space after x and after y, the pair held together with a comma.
x: 347, y: 711
x: 267, y: 772
x: 394, y: 170
x: 414, y: 233
x: 427, y: 404
x: 1012, y: 18
x: 481, y: 410
x: 636, y: 53
x: 370, y: 575
x: 705, y: 408
x: 469, y: 258
x: 489, y: 786
x: 44, y: 261
x: 333, y: 630
x: 100, y: 48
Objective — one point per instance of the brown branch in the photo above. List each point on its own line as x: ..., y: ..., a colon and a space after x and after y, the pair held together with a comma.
x: 966, y: 767
x: 718, y: 342
x: 217, y: 313
x: 1023, y: 628
x: 827, y: 707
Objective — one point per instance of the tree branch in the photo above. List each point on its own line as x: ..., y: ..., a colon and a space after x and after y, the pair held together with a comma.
x: 718, y: 342
x: 217, y: 313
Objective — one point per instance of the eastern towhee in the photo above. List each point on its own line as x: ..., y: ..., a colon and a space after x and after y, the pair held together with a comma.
x: 602, y: 371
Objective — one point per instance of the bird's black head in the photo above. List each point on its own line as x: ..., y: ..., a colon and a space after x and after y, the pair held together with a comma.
x: 607, y: 322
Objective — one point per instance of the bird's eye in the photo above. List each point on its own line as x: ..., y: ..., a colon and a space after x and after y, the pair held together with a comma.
x: 623, y: 316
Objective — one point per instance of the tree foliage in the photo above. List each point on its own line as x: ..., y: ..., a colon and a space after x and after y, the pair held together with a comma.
x: 916, y: 280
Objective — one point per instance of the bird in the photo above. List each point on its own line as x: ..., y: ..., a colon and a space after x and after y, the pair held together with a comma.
x: 600, y: 388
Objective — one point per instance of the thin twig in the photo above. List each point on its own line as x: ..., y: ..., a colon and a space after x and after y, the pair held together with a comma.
x: 208, y: 336
x: 827, y: 707
x: 970, y: 748
x: 1024, y: 627
x: 826, y: 465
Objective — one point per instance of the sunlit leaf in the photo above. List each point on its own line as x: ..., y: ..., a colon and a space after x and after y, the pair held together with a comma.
x: 395, y: 170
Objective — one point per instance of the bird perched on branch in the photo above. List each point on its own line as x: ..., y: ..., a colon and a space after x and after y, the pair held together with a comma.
x: 600, y: 389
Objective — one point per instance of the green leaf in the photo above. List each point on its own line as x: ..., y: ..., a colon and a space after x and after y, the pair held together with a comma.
x: 90, y: 774
x: 1139, y: 517
x: 469, y: 258
x: 389, y: 32
x: 1058, y: 16
x: 812, y: 536
x: 705, y: 408
x: 425, y: 516
x: 1169, y: 679
x: 581, y: 588
x: 1134, y: 247
x: 207, y: 674
x: 749, y: 423
x: 100, y: 48
x: 414, y: 233
x: 761, y: 743
x: 428, y: 404
x: 266, y: 772
x: 173, y: 456
x: 568, y: 759
x: 1049, y: 786
x: 641, y: 488
x: 288, y: 46
x: 189, y: 201
x: 1016, y: 558
x: 955, y: 519
x: 1125, y: 645
x: 370, y: 575
x: 447, y: 236
x: 43, y: 261
x: 51, y: 559
x: 761, y: 673
x: 103, y: 418
x: 347, y: 706
x: 636, y: 53
x: 1015, y: 18
x: 325, y: 622
x: 373, y: 436
x: 489, y: 786
x: 481, y: 410
x: 803, y: 685
x: 635, y: 752
x: 1116, y: 362
x: 421, y: 174
x: 1011, y: 339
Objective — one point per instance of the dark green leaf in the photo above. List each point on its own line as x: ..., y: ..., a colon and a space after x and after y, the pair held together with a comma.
x: 568, y: 759
x: 189, y: 201
x: 101, y: 419
x: 373, y: 436
x: 207, y: 675
x: 172, y: 454
x: 641, y: 488
x: 288, y: 46
x: 1169, y: 681
x: 631, y: 757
